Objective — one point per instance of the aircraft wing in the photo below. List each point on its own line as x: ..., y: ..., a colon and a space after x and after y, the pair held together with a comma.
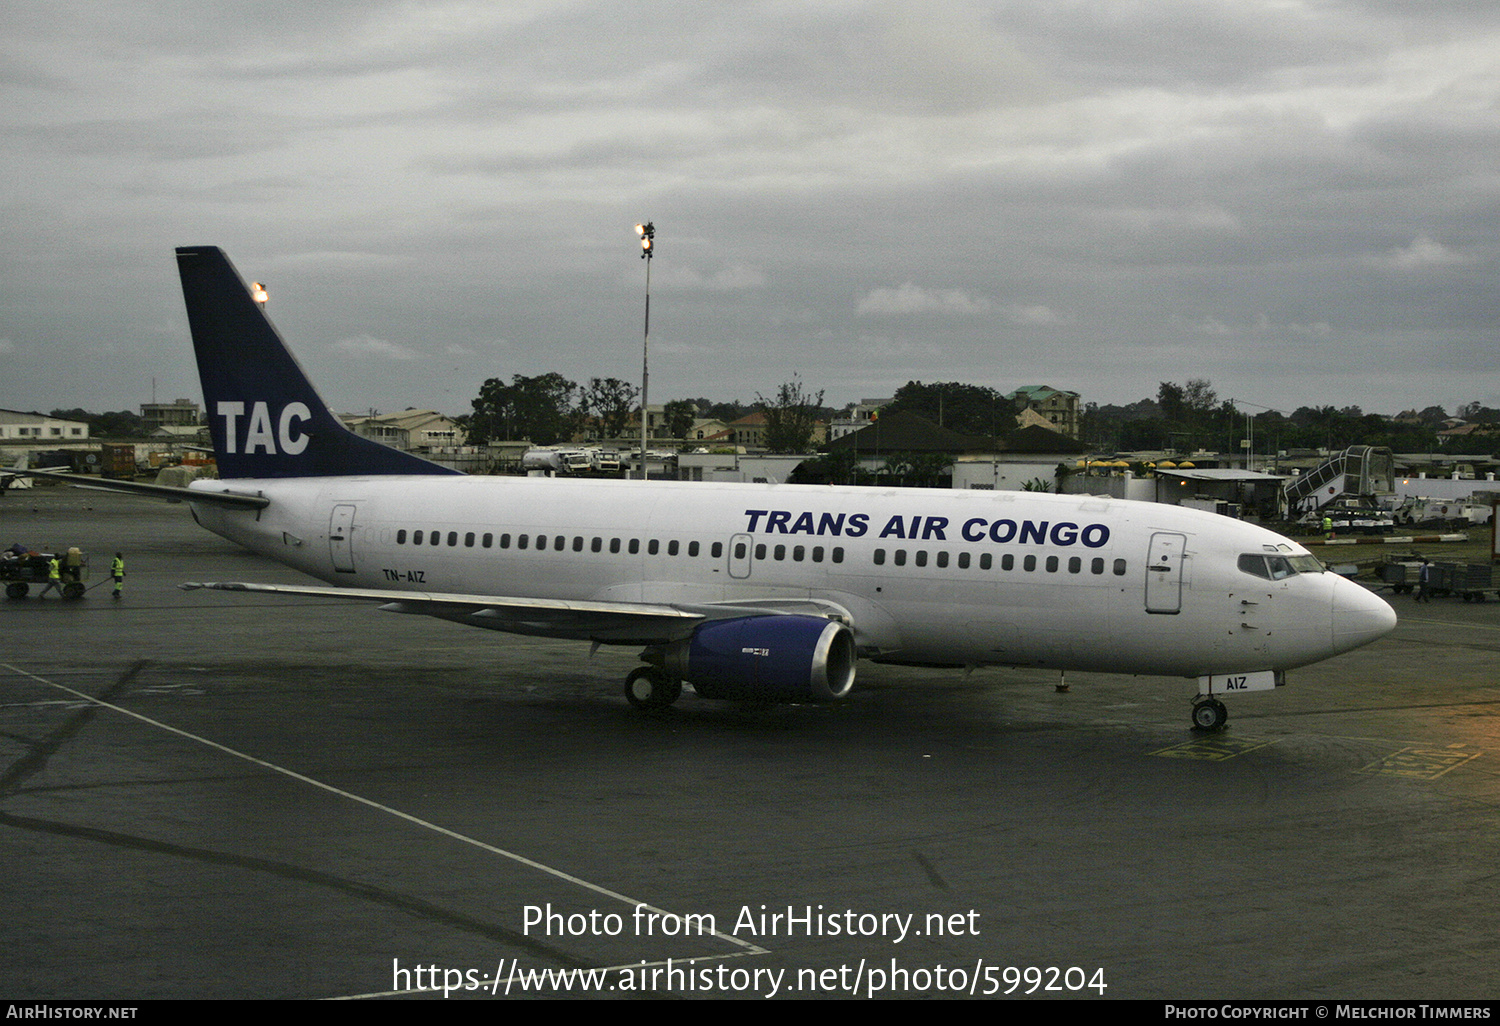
x: 238, y: 500
x: 645, y: 623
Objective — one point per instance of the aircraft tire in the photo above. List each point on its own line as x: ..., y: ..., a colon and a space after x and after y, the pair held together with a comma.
x: 1210, y: 714
x: 649, y: 688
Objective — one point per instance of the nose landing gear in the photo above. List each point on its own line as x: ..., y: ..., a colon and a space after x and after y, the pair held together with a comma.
x: 1209, y: 714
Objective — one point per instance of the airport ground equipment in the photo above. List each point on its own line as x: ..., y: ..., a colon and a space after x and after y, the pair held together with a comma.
x: 20, y: 573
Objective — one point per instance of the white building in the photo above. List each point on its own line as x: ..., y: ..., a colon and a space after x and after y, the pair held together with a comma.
x: 16, y: 426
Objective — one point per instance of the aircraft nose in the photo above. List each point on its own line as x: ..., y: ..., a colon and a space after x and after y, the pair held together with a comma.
x: 1359, y: 617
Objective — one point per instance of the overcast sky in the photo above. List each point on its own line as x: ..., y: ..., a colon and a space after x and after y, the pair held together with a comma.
x: 1295, y: 199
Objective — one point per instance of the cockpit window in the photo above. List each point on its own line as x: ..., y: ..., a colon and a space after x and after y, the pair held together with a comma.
x: 1278, y: 568
x: 1254, y: 563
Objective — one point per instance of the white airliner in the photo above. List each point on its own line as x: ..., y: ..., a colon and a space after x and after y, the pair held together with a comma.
x: 748, y: 592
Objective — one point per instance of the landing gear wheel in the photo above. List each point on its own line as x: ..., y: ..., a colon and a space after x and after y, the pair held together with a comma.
x: 1210, y: 714
x: 649, y: 688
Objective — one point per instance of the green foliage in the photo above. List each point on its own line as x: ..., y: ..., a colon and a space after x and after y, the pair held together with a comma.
x: 791, y: 417
x: 611, y: 401
x: 541, y: 409
x: 967, y: 409
x: 120, y: 424
x: 680, y: 414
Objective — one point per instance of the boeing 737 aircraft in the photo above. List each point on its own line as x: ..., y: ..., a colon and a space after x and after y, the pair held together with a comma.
x: 748, y: 592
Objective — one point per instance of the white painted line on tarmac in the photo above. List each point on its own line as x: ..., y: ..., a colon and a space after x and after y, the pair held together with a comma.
x: 746, y: 948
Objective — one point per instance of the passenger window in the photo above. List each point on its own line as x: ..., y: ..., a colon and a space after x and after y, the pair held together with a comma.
x: 578, y: 544
x: 469, y: 540
x: 672, y: 548
x: 614, y: 545
x: 1119, y: 568
x: 693, y: 549
x: 838, y: 553
x: 452, y: 537
x: 799, y: 553
x: 817, y: 554
x: 717, y: 550
x: 401, y: 537
x: 963, y: 561
x: 921, y: 557
x: 416, y: 537
x: 760, y: 551
x: 1052, y: 564
x: 560, y: 542
x: 635, y: 546
x: 880, y: 557
x: 779, y: 552
x: 489, y: 540
x: 521, y: 540
x: 597, y: 545
x: 942, y: 558
x: 986, y: 561
x: 1007, y: 562
x: 1075, y: 564
x: 1029, y: 563
x: 505, y: 541
x: 1097, y: 566
x: 900, y: 557
x: 653, y: 547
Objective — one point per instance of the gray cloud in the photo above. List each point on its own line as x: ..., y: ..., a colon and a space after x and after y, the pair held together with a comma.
x: 1294, y: 200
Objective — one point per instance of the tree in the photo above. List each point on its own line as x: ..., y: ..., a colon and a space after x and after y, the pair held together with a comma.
x: 1199, y: 400
x: 790, y: 417
x: 680, y: 414
x: 967, y: 409
x: 612, y: 401
x: 541, y: 409
x: 1172, y: 402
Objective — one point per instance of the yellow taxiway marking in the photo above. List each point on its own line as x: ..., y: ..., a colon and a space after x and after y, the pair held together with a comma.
x: 1213, y: 748
x: 1423, y: 762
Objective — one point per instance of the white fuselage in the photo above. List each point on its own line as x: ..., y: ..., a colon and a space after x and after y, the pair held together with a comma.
x: 927, y: 576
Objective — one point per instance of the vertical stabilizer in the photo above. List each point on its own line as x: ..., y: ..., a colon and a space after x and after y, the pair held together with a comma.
x: 266, y: 418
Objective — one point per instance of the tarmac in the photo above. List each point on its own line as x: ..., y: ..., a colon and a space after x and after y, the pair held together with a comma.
x: 218, y: 795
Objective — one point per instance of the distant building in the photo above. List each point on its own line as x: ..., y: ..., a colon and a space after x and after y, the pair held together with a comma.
x: 749, y: 431
x: 16, y: 426
x: 705, y: 429
x: 408, y: 429
x: 181, y: 413
x: 1056, y: 408
x: 856, y: 416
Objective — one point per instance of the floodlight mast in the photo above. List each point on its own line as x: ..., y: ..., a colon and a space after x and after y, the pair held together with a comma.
x: 647, y: 232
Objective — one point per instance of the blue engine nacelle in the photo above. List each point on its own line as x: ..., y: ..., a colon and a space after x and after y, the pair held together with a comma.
x: 766, y: 659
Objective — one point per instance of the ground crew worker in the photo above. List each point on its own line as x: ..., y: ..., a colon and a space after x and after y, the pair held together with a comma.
x: 1328, y: 528
x: 54, y: 578
x: 117, y: 571
x: 1424, y: 577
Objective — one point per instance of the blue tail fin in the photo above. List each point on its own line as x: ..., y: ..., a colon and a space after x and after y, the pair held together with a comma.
x: 265, y: 416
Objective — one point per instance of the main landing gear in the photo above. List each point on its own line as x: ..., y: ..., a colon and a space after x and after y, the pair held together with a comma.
x: 1209, y: 714
x: 650, y: 688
